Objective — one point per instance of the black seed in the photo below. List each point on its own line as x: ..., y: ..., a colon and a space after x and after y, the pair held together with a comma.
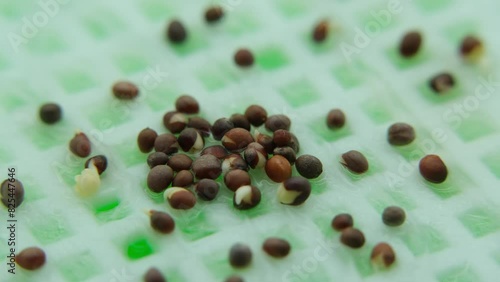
x: 207, y: 166
x: 234, y: 161
x: 442, y: 83
x: 220, y: 127
x: 276, y: 247
x: 214, y: 14
x: 187, y: 104
x: 240, y: 121
x: 236, y: 178
x: 352, y: 237
x: 201, y: 124
x: 180, y: 198
x: 157, y: 158
x: 266, y: 141
x: 246, y: 197
x: 161, y: 221
x: 146, y: 140
x: 320, y: 31
x: 410, y: 44
x: 342, y: 221
x: 179, y: 162
x: 243, y: 58
x: 217, y: 150
x: 278, y: 169
x: 294, y: 191
x: 276, y: 122
x: 176, y: 32
x: 240, y: 255
x: 99, y: 161
x: 159, y: 178
x: 237, y: 139
x: 383, y: 255
x: 355, y: 162
x: 471, y: 48
x: 183, y: 178
x: 286, y: 152
x: 80, y: 145
x: 400, y: 134
x: 175, y: 122
x: 6, y: 195
x: 309, y: 166
x: 335, y: 119
x: 166, y: 143
x: 154, y: 275
x: 207, y: 189
x: 393, y: 216
x: 50, y: 113
x: 433, y: 169
x: 125, y: 90
x: 31, y: 258
x: 190, y: 140
x: 256, y: 115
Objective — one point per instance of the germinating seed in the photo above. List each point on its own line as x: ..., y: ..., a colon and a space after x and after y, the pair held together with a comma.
x: 240, y: 121
x: 383, y: 255
x: 176, y: 32
x: 265, y: 140
x: 246, y: 197
x: 256, y: 115
x: 207, y: 166
x: 179, y: 162
x: 159, y: 178
x: 50, y: 113
x: 234, y: 161
x: 243, y: 58
x: 125, y: 90
x: 236, y: 178
x: 240, y: 255
x: 236, y: 139
x: 88, y: 182
x: 180, y: 198
x: 187, y: 104
x: 201, y: 124
x: 99, y: 161
x: 355, y: 162
x: 400, y: 134
x: 442, y: 83
x: 309, y: 166
x: 7, y: 194
x: 190, y: 140
x: 217, y: 151
x: 342, y: 221
x: 146, y: 140
x: 183, y: 178
x: 166, y: 143
x: 433, y: 169
x: 154, y: 275
x: 286, y: 152
x: 255, y: 155
x: 157, y: 158
x: 80, y: 145
x: 282, y: 137
x: 335, y: 119
x: 276, y: 122
x: 214, y: 14
x: 352, y: 237
x: 471, y: 48
x: 294, y: 191
x: 320, y: 31
x: 220, y: 127
x: 161, y: 221
x: 207, y: 189
x: 410, y: 44
x: 31, y: 258
x: 278, y: 169
x: 175, y: 122
x: 276, y: 247
x: 393, y: 216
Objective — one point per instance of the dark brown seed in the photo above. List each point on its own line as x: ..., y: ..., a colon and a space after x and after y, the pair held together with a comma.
x: 207, y: 166
x: 278, y: 169
x: 294, y: 144
x: 240, y: 255
x: 442, y: 83
x: 256, y: 115
x: 286, y: 152
x: 433, y: 169
x: 125, y: 90
x: 207, y: 189
x: 213, y: 14
x: 201, y: 124
x: 352, y: 237
x: 159, y: 178
x: 154, y: 275
x: 410, y: 44
x: 234, y: 278
x: 190, y: 140
x: 393, y: 216
x: 294, y: 191
x: 266, y: 141
x: 276, y: 247
x: 166, y: 143
x: 236, y: 178
x: 471, y: 48
x: 175, y: 122
x: 99, y: 161
x: 282, y: 137
x: 146, y: 140
x: 31, y: 258
x: 161, y: 221
x: 187, y: 104
x: 237, y: 139
x: 246, y: 197
x: 342, y: 221
x: 309, y: 166
x: 80, y: 145
x: 217, y: 150
x: 157, y: 158
x: 180, y: 198
x: 179, y: 162
x: 276, y: 122
x: 183, y: 178
x: 383, y: 255
x: 234, y: 161
x: 255, y: 155
x: 243, y: 58
x: 320, y: 31
x: 355, y: 162
x: 220, y: 127
x: 240, y: 121
x: 176, y: 32
x: 12, y: 193
x: 335, y: 119
x: 400, y: 134
x: 50, y: 113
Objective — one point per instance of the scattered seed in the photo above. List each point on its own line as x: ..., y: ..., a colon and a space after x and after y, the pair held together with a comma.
x: 80, y: 145
x: 294, y: 191
x: 6, y: 195
x: 234, y: 278
x: 400, y: 134
x: 99, y: 161
x: 183, y: 178
x: 214, y: 14
x: 320, y: 31
x: 236, y: 178
x: 125, y: 90
x: 355, y: 162
x: 207, y: 166
x: 50, y: 113
x: 201, y: 124
x: 256, y: 115
x: 180, y: 162
x: 187, y: 104
x: 217, y: 150
x: 88, y: 182
x: 265, y: 140
x: 161, y: 221
x: 190, y: 140
x: 282, y: 137
x: 383, y: 255
x: 146, y: 140
x: 255, y: 155
x: 159, y: 178
x: 220, y: 127
x: 240, y: 121
x: 240, y: 255
x: 309, y: 166
x: 335, y: 119
x: 157, y: 158
x: 175, y: 122
x: 207, y: 189
x: 442, y: 83
x: 154, y: 275
x: 342, y: 221
x: 276, y: 247
x: 433, y: 169
x: 352, y: 237
x: 31, y: 258
x: 246, y: 197
x: 276, y: 122
x: 236, y: 139
x: 180, y: 198
x: 278, y: 169
x: 294, y: 144
x: 234, y: 161
x: 166, y: 143
x: 243, y: 58
x: 176, y: 32
x: 471, y: 48
x: 410, y: 44
x: 393, y: 216
x: 286, y: 152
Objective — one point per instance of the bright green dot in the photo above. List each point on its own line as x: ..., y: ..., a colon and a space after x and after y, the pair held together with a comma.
x: 271, y: 58
x: 79, y: 267
x: 139, y: 248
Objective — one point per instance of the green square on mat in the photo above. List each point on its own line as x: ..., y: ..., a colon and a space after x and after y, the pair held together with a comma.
x: 318, y: 186
x: 459, y: 30
x: 130, y: 154
x: 161, y: 98
x: 47, y: 136
x: 138, y: 248
x: 195, y: 41
x: 73, y: 81
x: 433, y: 5
x: 67, y: 170
x: 475, y: 127
x: 32, y: 189
x: 348, y: 75
x: 110, y: 114
x: 102, y: 24
x: 480, y: 221
x: 424, y: 239
x: 299, y: 93
x: 156, y: 10
x: 16, y: 95
x: 323, y: 133
x: 429, y: 94
x: 3, y: 63
x: 463, y: 273
x: 271, y: 58
x: 14, y: 10
x: 195, y: 226
x: 492, y: 161
x: 376, y: 110
x: 363, y: 265
x: 324, y: 224
x: 50, y: 229
x: 449, y: 188
x: 403, y: 63
x: 79, y: 267
x: 374, y: 19
x: 174, y: 275
x: 131, y: 63
x: 218, y: 264
x: 46, y: 42
x: 213, y: 78
x: 380, y: 200
x: 293, y: 8
x: 240, y: 23
x: 109, y: 210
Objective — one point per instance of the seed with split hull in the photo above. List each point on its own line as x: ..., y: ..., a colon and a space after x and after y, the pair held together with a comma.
x: 234, y: 161
x: 471, y: 48
x: 355, y: 162
x: 286, y: 152
x: 187, y: 104
x: 276, y: 247
x: 255, y: 155
x: 166, y: 143
x: 282, y: 137
x: 207, y: 166
x: 159, y: 178
x: 161, y: 221
x: 31, y: 258
x: 236, y: 178
x: 125, y: 90
x: 383, y: 255
x: 217, y: 151
x: 99, y: 161
x: 201, y: 124
x: 393, y: 216
x: 180, y: 198
x: 246, y: 197
x: 309, y: 166
x: 50, y: 113
x: 276, y: 122
x: 410, y: 44
x: 157, y: 158
x: 179, y: 162
x: 265, y: 140
x: 342, y: 221
x: 243, y: 58
x: 256, y: 115
x: 214, y: 14
x: 352, y: 237
x: 320, y: 31
x: 278, y: 169
x: 175, y: 122
x: 80, y: 145
x: 88, y: 182
x: 335, y: 119
x: 183, y: 178
x: 176, y: 32
x: 240, y: 121
x: 433, y: 169
x: 236, y: 139
x: 17, y: 194
x: 400, y: 134
x: 146, y: 140
x: 190, y: 140
x: 154, y: 275
x: 442, y: 83
x: 294, y: 191
x: 220, y: 127
x: 207, y: 189
x: 240, y: 255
